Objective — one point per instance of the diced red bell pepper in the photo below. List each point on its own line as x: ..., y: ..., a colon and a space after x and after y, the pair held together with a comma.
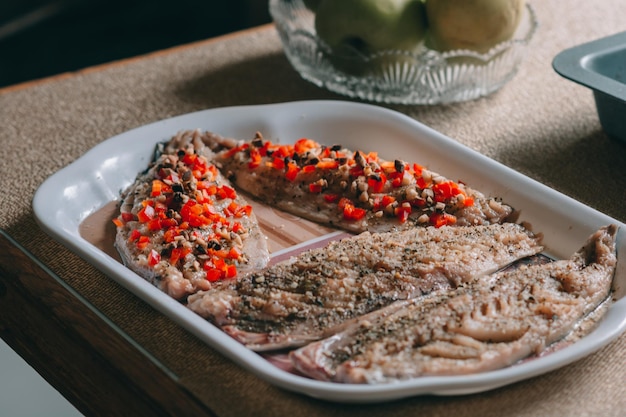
x: 243, y: 211
x: 328, y: 164
x: 154, y: 258
x: 232, y: 151
x: 402, y: 213
x: 157, y: 186
x: 213, y: 274
x: 356, y: 171
x: 331, y: 198
x: 155, y: 224
x: 128, y: 217
x: 143, y: 242
x: 304, y: 145
x: 189, y: 159
x: 231, y: 271
x: 178, y: 254
x: 146, y: 214
x: 255, y: 159
x: 377, y: 184
x: 283, y: 151
x: 350, y: 212
x: 134, y: 235
x: 278, y: 163
x: 292, y: 171
x: 421, y: 182
x: 442, y: 219
x: 234, y: 253
x: 170, y: 235
x: 315, y: 188
x: 396, y: 178
x: 226, y: 192
x: 307, y: 169
x: 381, y: 202
x: 417, y: 170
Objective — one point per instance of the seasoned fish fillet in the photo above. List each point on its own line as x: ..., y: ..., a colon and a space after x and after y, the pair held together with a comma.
x: 485, y: 325
x: 182, y: 226
x: 312, y: 295
x: 348, y: 189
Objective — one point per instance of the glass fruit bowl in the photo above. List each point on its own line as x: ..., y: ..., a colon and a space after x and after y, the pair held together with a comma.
x: 422, y: 76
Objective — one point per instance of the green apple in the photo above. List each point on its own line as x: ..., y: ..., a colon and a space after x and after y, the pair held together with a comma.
x: 476, y: 25
x: 365, y: 27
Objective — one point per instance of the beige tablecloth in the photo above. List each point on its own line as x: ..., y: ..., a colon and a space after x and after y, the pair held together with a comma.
x: 539, y: 124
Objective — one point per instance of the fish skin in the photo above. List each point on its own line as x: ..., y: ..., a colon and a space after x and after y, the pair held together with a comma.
x: 272, y: 187
x: 318, y: 292
x: 482, y: 326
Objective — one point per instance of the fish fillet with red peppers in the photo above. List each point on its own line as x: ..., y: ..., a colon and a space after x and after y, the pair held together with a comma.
x: 181, y: 224
x: 349, y: 189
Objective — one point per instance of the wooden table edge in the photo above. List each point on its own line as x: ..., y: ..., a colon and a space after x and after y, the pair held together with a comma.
x: 76, y: 349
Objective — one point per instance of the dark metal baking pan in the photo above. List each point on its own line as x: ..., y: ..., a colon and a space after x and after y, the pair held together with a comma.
x: 601, y: 66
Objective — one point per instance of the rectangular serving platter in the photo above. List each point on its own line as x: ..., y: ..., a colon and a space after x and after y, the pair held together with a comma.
x: 68, y: 197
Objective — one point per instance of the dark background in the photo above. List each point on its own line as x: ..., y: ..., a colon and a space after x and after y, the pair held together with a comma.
x: 39, y: 38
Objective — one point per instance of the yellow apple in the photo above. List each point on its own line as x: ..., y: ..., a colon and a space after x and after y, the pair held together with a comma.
x: 476, y: 25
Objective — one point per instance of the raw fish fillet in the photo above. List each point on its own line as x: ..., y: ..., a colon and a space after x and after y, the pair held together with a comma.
x: 316, y: 293
x: 483, y: 325
x: 350, y: 189
x: 182, y: 226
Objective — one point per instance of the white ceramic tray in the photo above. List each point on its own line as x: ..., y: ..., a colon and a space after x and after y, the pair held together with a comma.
x: 69, y: 196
